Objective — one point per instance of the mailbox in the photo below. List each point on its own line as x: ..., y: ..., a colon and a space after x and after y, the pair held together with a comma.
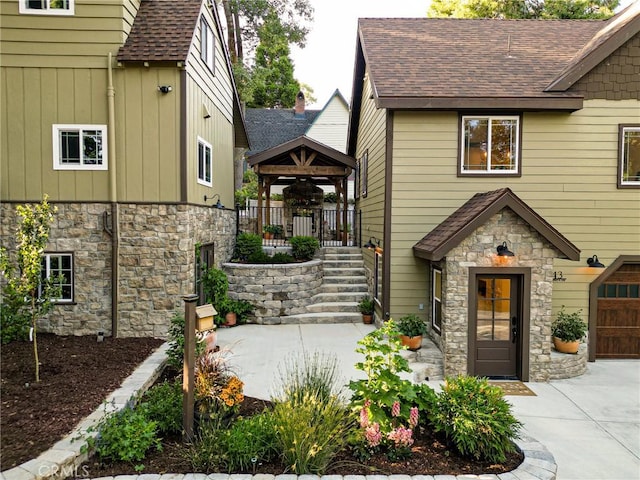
x: 204, y: 317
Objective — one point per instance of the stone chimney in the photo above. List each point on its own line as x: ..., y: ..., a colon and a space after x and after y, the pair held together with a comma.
x: 298, y: 110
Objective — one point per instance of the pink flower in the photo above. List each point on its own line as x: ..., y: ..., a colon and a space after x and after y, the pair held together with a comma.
x: 401, y: 437
x: 414, y: 416
x: 395, y: 409
x: 364, y: 417
x: 373, y: 435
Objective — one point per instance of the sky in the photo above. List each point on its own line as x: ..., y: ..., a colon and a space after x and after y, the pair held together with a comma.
x: 327, y: 61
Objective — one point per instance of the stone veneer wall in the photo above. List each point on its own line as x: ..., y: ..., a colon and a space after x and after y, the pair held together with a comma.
x: 478, y: 250
x: 566, y: 365
x: 156, y: 258
x: 275, y: 290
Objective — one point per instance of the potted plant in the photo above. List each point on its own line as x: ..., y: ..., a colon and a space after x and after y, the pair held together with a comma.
x: 411, y: 328
x: 270, y: 230
x: 366, y: 307
x: 567, y: 330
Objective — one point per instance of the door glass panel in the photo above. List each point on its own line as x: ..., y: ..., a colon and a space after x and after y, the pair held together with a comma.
x: 493, y: 309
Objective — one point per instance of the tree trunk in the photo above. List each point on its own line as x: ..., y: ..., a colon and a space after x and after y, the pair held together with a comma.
x: 35, y: 337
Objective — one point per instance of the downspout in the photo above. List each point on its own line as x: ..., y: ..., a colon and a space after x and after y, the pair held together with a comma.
x: 113, y: 198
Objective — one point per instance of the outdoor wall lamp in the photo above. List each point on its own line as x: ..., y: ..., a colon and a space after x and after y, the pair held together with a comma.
x: 370, y: 245
x: 165, y: 88
x: 594, y: 262
x: 218, y: 203
x: 503, y: 250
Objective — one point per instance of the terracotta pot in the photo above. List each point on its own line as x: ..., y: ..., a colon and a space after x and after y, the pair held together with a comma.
x: 230, y: 319
x: 268, y: 235
x: 566, y: 347
x: 413, y: 343
x: 367, y: 318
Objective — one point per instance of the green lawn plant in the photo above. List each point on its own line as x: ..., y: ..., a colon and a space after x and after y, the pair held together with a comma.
x: 162, y: 403
x: 411, y: 325
x: 568, y: 327
x: 24, y: 275
x: 246, y: 245
x: 475, y: 418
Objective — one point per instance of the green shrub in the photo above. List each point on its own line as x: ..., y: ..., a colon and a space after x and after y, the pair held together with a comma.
x: 125, y: 436
x: 215, y: 285
x: 249, y: 441
x: 246, y: 245
x: 175, y: 352
x: 315, y: 375
x: 568, y: 327
x: 259, y: 257
x: 162, y: 404
x: 206, y: 453
x: 14, y: 319
x: 282, y: 257
x: 304, y: 248
x: 241, y: 308
x: 476, y: 418
x: 311, y: 432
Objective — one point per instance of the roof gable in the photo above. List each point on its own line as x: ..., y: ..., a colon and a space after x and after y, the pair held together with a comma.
x: 608, y: 39
x: 325, y: 155
x: 475, y: 212
x: 270, y: 127
x: 163, y: 30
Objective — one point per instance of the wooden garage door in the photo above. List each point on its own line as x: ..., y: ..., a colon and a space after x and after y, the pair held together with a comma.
x: 618, y: 325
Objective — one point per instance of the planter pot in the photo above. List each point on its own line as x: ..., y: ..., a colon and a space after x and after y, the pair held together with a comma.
x: 230, y: 319
x: 367, y: 318
x: 412, y: 343
x: 268, y: 235
x: 566, y: 347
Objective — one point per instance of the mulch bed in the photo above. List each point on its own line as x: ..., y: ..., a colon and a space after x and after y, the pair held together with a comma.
x: 78, y: 374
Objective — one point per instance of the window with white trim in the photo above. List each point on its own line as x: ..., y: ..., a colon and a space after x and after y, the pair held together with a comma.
x: 79, y: 147
x: 490, y: 145
x: 364, y: 171
x: 47, y: 7
x: 436, y: 304
x: 204, y: 163
x: 60, y: 266
x: 207, y: 44
x: 629, y: 153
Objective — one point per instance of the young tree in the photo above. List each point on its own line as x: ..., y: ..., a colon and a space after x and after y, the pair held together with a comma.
x: 274, y: 84
x: 574, y: 9
x: 24, y: 276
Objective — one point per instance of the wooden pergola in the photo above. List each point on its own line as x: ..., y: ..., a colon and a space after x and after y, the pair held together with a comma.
x: 302, y: 158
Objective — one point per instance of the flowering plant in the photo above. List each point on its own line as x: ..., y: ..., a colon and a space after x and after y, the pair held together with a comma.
x: 388, y: 406
x: 217, y: 389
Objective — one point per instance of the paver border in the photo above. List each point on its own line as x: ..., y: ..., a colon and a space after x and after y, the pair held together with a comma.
x: 65, y: 459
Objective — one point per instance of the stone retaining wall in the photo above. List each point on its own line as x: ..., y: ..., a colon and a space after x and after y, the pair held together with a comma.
x: 156, y: 261
x: 275, y: 290
x: 567, y: 365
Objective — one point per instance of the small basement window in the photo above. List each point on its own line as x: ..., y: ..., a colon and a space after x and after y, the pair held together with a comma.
x: 47, y: 7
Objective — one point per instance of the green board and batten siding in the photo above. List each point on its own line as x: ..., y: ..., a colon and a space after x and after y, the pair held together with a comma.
x: 569, y: 171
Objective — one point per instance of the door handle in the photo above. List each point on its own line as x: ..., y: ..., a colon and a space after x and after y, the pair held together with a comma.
x: 514, y: 329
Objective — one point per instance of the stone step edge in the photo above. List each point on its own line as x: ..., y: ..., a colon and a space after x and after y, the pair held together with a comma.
x: 64, y: 458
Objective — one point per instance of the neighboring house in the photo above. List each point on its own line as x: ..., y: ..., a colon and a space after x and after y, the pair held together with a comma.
x: 516, y: 133
x: 269, y: 127
x: 126, y: 114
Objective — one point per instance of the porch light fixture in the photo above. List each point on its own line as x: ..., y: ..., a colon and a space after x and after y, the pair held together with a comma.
x: 503, y: 250
x: 218, y: 203
x: 594, y: 262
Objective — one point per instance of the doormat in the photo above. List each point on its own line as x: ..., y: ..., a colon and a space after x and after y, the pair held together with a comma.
x: 512, y: 387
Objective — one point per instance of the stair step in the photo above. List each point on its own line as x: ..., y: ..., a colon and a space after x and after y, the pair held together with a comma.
x: 340, y: 296
x: 333, y: 307
x: 336, y: 279
x: 344, y: 287
x: 342, y: 250
x: 344, y: 272
x: 349, y: 256
x: 323, y: 317
x: 341, y: 264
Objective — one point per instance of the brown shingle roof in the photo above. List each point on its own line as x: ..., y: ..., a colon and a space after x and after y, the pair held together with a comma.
x: 475, y: 212
x: 162, y: 31
x: 444, y: 57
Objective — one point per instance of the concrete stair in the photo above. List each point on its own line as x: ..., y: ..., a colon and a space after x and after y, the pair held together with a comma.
x: 426, y: 363
x: 344, y: 284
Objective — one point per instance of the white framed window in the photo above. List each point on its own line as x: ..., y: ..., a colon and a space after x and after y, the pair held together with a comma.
x: 629, y: 156
x: 79, y: 147
x: 207, y: 44
x: 364, y: 171
x: 490, y: 145
x: 47, y: 7
x: 58, y: 265
x: 436, y: 302
x: 204, y: 163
